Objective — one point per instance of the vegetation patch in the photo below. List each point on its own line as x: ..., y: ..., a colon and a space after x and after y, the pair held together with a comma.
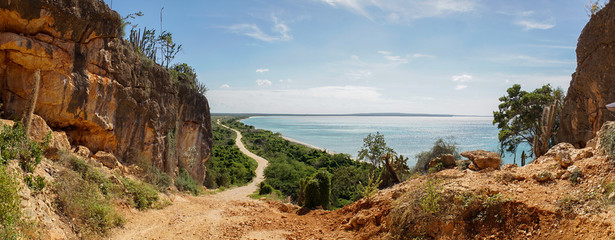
x: 440, y: 147
x: 227, y: 165
x: 84, y: 203
x: 607, y: 143
x: 425, y: 212
x: 185, y: 182
x: 144, y: 196
x: 15, y: 144
x: 289, y: 163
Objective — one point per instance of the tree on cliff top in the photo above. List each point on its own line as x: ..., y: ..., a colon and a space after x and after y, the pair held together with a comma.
x: 519, y: 115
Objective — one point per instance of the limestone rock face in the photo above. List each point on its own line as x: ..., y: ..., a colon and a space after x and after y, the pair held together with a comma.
x: 95, y: 88
x: 482, y: 159
x: 592, y: 84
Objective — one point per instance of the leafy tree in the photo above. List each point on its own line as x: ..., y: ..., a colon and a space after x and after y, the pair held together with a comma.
x: 374, y: 147
x: 519, y: 115
x: 440, y: 147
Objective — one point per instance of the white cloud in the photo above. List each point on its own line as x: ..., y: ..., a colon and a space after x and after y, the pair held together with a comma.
x: 263, y: 82
x: 357, y: 74
x: 279, y: 29
x: 393, y: 59
x: 288, y: 80
x: 396, y: 10
x: 420, y: 55
x: 462, y: 78
x: 262, y: 70
x: 529, y: 24
x: 460, y: 87
x: 225, y: 86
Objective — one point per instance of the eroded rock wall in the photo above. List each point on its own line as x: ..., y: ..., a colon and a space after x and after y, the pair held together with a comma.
x: 593, y: 83
x: 96, y: 88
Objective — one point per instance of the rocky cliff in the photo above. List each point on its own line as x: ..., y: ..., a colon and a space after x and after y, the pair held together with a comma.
x: 593, y: 83
x: 96, y: 88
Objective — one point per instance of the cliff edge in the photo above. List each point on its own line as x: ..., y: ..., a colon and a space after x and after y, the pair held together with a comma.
x: 592, y: 84
x: 96, y: 88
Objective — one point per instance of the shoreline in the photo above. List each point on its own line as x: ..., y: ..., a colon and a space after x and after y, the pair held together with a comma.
x: 296, y: 141
x: 307, y: 145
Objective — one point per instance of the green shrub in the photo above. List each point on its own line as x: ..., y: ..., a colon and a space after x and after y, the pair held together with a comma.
x: 312, y: 193
x: 575, y: 176
x: 14, y: 144
x: 264, y: 189
x: 35, y: 183
x: 143, y: 195
x: 370, y: 187
x: 153, y: 174
x: 185, y: 182
x: 317, y: 190
x: 10, y: 212
x: 430, y: 200
x: 83, y: 201
x: 607, y: 143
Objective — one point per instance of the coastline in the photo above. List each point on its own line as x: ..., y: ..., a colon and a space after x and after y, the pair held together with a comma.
x: 296, y: 141
x: 307, y: 145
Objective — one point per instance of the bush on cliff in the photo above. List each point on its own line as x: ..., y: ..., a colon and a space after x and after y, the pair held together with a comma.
x: 15, y: 144
x: 440, y: 147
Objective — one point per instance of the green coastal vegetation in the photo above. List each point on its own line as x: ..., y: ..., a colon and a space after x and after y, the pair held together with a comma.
x: 227, y: 166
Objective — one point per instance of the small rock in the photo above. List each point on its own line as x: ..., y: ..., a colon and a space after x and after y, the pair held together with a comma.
x: 563, y: 158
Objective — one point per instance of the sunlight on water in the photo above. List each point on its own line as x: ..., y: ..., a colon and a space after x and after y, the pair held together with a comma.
x: 407, y: 135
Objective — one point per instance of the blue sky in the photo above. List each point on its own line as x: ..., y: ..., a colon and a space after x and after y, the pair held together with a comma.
x: 360, y: 56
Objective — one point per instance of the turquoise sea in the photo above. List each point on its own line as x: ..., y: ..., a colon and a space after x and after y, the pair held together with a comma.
x: 406, y: 135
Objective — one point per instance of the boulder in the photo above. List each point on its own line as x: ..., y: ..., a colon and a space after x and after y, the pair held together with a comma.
x: 447, y: 160
x: 83, y: 151
x: 59, y: 142
x: 39, y: 129
x: 482, y: 159
x: 107, y: 159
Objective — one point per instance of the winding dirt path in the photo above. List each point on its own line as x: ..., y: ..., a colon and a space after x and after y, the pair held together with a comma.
x: 228, y: 215
x: 241, y: 193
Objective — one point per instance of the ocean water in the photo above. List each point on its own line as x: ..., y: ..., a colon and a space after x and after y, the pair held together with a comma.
x: 408, y: 136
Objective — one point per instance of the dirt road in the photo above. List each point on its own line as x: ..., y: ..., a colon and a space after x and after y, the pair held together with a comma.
x: 228, y: 215
x: 241, y: 193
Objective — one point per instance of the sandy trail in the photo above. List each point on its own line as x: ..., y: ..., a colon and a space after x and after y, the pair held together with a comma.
x: 227, y: 215
x: 241, y: 193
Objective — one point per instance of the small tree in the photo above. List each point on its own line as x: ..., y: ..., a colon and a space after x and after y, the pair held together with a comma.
x: 374, y: 147
x: 316, y: 190
x: 520, y: 115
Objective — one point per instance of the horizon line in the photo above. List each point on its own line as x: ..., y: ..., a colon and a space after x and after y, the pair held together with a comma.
x: 390, y: 114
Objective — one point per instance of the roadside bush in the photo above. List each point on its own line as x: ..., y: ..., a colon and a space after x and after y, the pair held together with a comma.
x: 144, y: 196
x: 440, y: 147
x: 185, y: 182
x: 83, y: 201
x: 264, y: 189
x: 153, y: 175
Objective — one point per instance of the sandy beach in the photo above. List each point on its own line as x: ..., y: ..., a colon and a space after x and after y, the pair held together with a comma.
x: 307, y: 145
